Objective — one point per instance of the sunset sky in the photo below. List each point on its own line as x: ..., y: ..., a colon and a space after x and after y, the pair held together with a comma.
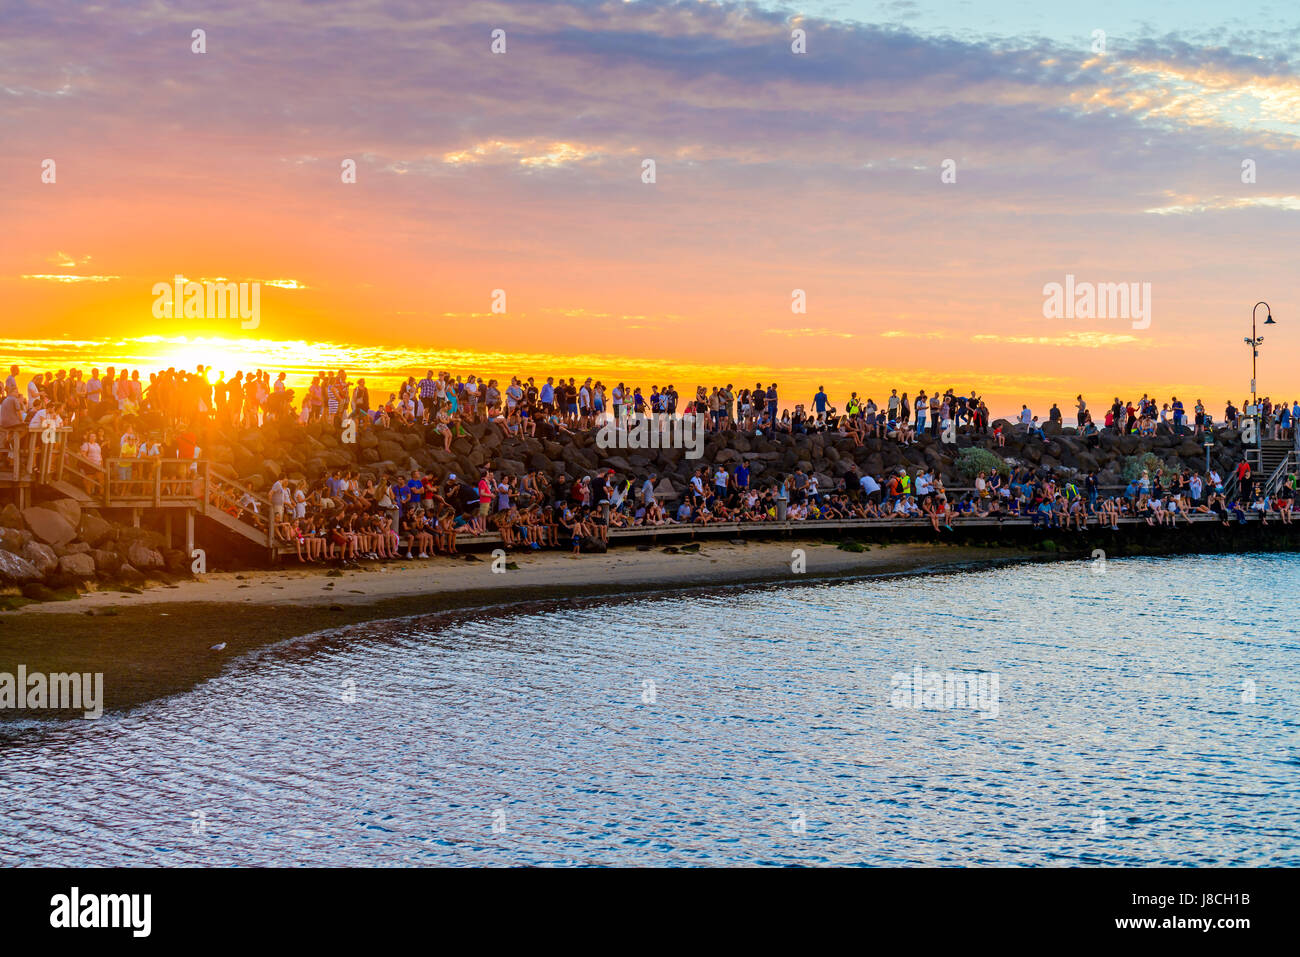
x: 775, y: 171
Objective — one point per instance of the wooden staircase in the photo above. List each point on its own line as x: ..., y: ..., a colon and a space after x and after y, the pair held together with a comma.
x: 29, y: 459
x: 1271, y: 456
x: 1269, y: 463
x: 241, y: 511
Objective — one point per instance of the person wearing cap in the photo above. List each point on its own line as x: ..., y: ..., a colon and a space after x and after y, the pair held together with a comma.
x: 648, y: 490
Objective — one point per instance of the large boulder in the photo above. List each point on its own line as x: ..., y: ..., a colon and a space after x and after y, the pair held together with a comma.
x: 38, y: 591
x: 393, y: 451
x: 16, y: 570
x: 245, y: 462
x: 142, y: 556
x: 15, y: 539
x: 10, y: 517
x: 77, y: 566
x: 94, y: 529
x: 252, y: 439
x: 49, y: 526
x: 105, y: 561
x: 177, y: 562
x: 42, y: 556
x: 665, y: 492
x: 147, y: 535
x: 69, y: 508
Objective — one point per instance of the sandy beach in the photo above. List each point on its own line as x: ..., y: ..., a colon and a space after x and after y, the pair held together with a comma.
x: 160, y: 641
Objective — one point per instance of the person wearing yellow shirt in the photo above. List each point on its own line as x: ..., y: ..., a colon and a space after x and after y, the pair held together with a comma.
x: 128, y: 448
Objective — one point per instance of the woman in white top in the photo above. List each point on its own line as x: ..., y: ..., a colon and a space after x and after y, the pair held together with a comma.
x: 90, y: 450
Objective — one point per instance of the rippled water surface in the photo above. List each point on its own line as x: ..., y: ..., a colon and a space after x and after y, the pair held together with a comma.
x: 1147, y: 715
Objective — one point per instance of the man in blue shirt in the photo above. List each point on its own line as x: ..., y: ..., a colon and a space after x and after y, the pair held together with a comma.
x: 741, y: 478
x: 415, y: 487
x: 401, y: 493
x: 820, y: 401
x: 335, y: 484
x: 428, y: 389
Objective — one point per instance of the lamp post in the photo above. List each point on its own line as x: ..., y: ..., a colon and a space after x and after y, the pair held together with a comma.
x: 1254, y: 342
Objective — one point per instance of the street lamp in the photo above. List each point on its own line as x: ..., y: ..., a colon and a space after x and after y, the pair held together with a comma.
x: 1254, y: 342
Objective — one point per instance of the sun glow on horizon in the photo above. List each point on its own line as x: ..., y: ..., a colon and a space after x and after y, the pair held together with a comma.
x: 386, y: 367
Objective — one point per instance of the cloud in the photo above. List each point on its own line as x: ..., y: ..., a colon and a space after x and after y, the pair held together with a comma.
x: 528, y: 154
x: 903, y: 334
x: 807, y: 333
x: 522, y: 171
x: 1071, y: 340
x: 65, y: 261
x: 1188, y: 205
x: 66, y: 277
x: 282, y: 283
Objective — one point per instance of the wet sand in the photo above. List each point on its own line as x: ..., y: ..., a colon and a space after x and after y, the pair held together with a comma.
x: 159, y: 642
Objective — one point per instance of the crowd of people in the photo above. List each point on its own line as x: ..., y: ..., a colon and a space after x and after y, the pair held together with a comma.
x: 340, y: 517
x: 182, y: 399
x: 119, y: 415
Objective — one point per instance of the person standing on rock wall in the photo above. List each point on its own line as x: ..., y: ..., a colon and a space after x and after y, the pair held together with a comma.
x: 1244, y: 481
x: 648, y: 490
x: 278, y: 498
x: 485, y: 494
x: 12, y: 409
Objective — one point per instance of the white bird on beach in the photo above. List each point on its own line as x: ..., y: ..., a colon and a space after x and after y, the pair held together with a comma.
x: 220, y: 647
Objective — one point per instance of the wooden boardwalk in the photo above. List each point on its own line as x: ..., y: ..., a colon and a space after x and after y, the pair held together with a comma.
x: 184, y: 487
x: 191, y: 487
x: 812, y: 528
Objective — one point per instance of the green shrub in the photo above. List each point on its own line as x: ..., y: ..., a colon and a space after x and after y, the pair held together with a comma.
x: 972, y: 461
x: 1134, y: 464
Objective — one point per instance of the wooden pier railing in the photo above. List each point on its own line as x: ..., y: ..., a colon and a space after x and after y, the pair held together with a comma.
x: 43, y: 457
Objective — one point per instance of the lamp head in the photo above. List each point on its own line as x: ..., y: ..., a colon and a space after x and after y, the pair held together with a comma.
x: 1268, y: 321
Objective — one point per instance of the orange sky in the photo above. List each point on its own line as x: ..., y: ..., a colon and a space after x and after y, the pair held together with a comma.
x: 773, y: 173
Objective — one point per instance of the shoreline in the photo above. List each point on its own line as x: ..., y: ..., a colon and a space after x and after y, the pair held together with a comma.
x: 160, y: 642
